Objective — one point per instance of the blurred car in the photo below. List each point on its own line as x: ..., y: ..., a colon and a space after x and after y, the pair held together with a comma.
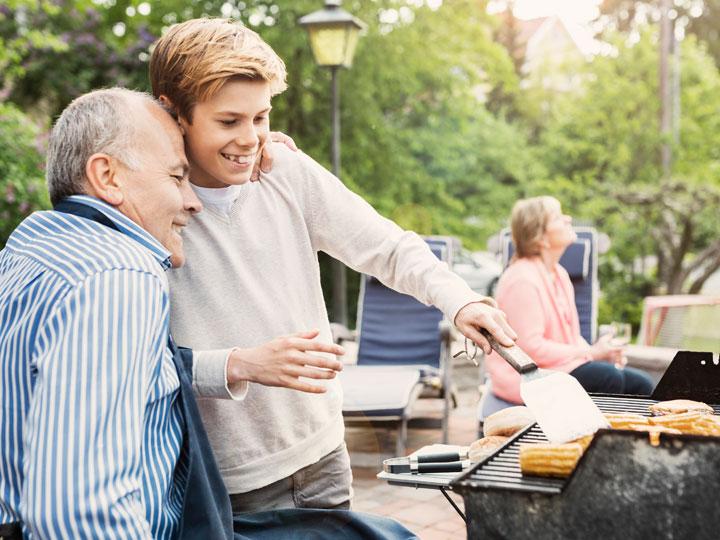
x: 480, y: 270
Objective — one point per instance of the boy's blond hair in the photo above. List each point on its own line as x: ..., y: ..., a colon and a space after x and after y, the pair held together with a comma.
x: 194, y: 59
x: 528, y: 222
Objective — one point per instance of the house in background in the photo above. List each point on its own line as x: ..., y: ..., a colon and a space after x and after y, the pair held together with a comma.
x: 547, y: 48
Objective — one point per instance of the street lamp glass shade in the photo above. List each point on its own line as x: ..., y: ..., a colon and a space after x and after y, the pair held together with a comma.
x: 334, y: 44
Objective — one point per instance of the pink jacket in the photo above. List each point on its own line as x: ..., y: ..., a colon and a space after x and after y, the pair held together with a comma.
x: 547, y: 332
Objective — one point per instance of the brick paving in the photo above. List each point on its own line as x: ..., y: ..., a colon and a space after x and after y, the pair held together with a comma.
x: 424, y: 511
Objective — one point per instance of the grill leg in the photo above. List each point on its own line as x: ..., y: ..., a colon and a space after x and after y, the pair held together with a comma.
x: 446, y: 415
x: 455, y: 506
x: 401, y: 438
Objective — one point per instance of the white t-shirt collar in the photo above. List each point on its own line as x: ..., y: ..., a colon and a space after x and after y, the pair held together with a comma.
x: 221, y: 199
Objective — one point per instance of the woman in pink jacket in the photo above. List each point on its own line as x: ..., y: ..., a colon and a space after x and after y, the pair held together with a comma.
x: 537, y: 296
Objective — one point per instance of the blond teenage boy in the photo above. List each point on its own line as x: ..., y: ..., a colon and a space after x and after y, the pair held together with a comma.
x: 253, y: 272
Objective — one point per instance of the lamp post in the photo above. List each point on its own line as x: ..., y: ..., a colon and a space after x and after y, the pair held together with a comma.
x: 334, y: 34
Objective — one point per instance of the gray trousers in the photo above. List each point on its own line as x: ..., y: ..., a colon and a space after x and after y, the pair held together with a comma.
x: 326, y: 484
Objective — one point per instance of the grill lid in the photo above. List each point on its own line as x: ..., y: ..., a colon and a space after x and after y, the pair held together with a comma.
x: 691, y: 375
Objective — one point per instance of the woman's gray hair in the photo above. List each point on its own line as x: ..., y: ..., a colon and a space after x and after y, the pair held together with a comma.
x: 98, y: 122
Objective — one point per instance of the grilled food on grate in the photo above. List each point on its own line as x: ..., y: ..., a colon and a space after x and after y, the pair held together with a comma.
x: 584, y: 441
x: 690, y: 417
x: 682, y: 421
x: 707, y: 425
x: 678, y: 406
x: 556, y: 460
x: 694, y: 423
x: 623, y: 420
x: 654, y: 431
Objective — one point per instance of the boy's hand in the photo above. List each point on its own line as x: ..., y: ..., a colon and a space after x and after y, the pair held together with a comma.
x: 282, y: 361
x: 478, y: 315
x: 265, y: 162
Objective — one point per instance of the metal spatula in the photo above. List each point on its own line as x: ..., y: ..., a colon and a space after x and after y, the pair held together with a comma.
x: 562, y: 408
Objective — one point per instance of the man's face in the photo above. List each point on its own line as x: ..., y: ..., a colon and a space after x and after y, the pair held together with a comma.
x: 157, y: 196
x: 227, y: 133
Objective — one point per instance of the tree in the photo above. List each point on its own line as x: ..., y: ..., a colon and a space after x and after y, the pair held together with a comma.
x: 85, y: 52
x: 603, y: 148
x: 681, y: 215
x: 508, y: 33
x: 705, y: 25
x: 418, y: 140
x: 22, y: 189
x: 21, y: 145
x: 700, y: 18
x: 18, y: 36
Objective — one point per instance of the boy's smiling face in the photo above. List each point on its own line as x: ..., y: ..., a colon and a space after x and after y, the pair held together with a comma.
x: 227, y: 133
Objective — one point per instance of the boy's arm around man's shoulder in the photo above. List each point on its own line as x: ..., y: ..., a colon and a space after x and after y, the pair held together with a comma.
x: 97, y: 354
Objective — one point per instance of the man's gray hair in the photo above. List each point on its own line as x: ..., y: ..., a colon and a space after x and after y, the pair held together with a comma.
x: 97, y: 122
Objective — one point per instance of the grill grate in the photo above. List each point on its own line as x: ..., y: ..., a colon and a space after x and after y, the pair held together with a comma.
x: 502, y: 469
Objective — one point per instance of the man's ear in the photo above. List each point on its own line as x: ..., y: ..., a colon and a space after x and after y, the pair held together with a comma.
x: 170, y: 107
x: 102, y: 174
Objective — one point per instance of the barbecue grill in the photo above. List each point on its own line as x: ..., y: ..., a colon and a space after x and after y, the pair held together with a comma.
x: 622, y: 487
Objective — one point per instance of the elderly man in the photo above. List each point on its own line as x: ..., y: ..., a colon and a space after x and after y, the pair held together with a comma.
x: 99, y: 431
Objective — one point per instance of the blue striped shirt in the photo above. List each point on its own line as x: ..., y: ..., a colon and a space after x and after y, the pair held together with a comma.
x: 90, y: 427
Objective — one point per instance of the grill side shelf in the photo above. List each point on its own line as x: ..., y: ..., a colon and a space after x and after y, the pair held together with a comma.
x: 501, y: 470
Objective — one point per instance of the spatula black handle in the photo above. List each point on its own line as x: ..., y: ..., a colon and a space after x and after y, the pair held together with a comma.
x: 514, y: 355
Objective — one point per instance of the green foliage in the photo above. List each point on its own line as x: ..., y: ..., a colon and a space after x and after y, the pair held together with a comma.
x: 84, y: 53
x: 437, y: 131
x: 22, y: 189
x: 705, y: 27
x: 698, y: 154
x: 19, y: 36
x: 601, y: 148
x: 417, y: 141
x: 608, y: 132
x: 621, y: 298
x: 699, y: 18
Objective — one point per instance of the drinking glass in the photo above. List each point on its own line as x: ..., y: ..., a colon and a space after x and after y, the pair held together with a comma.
x: 621, y: 334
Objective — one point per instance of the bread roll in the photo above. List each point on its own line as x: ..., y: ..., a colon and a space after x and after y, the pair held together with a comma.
x: 482, y: 448
x: 677, y: 406
x: 508, y: 421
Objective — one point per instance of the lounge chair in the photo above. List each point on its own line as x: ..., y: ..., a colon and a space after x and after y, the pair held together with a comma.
x: 403, y: 353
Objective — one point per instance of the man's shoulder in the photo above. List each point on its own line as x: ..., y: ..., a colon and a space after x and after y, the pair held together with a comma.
x: 75, y: 248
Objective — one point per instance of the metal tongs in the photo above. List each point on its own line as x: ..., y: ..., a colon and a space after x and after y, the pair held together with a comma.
x: 428, y: 463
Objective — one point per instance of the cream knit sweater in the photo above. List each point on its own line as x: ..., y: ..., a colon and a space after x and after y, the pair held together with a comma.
x: 253, y: 275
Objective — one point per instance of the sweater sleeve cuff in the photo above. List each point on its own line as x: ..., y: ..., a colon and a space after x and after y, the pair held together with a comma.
x: 460, y: 302
x: 210, y: 376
